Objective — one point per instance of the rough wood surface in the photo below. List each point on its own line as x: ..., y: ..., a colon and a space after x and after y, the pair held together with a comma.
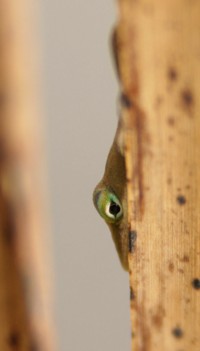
x: 159, y: 61
x: 25, y: 302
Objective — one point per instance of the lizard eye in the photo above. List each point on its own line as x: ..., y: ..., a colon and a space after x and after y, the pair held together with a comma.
x: 108, y: 205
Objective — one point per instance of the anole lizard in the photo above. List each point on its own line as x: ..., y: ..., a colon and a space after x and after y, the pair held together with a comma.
x: 110, y: 195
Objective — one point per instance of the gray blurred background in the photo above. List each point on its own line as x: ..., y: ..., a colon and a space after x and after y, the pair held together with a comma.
x: 80, y: 91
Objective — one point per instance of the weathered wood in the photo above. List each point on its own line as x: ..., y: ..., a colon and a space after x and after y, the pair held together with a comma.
x: 159, y: 62
x: 25, y: 308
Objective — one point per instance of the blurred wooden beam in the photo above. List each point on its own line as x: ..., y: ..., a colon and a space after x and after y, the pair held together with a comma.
x: 159, y: 62
x: 25, y: 299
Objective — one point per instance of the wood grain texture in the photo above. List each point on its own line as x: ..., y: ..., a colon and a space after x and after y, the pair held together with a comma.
x: 159, y: 62
x: 25, y: 299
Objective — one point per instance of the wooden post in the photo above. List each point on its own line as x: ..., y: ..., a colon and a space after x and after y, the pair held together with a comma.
x: 159, y: 61
x: 25, y: 302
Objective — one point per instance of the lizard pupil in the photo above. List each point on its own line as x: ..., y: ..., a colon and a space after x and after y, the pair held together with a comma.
x: 114, y: 208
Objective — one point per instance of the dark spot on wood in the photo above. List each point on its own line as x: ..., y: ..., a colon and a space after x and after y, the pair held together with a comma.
x: 187, y: 101
x: 171, y: 121
x: 169, y: 181
x: 132, y: 239
x: 132, y: 295
x: 172, y: 74
x: 187, y: 187
x: 157, y: 318
x: 185, y: 259
x: 194, y: 341
x: 196, y: 283
x: 125, y: 101
x: 171, y: 138
x: 181, y: 199
x: 177, y: 332
x: 14, y: 339
x: 187, y: 97
x: 171, y: 267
